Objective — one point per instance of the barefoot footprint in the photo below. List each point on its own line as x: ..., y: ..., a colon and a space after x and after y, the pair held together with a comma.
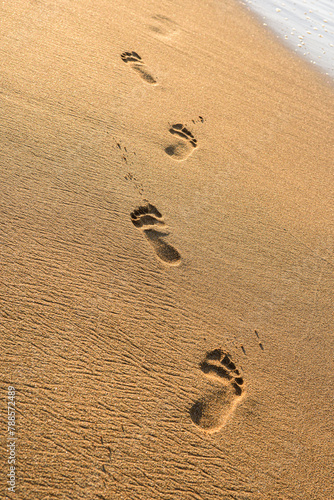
x: 145, y: 218
x: 163, y: 26
x: 184, y: 145
x: 137, y: 64
x: 213, y: 411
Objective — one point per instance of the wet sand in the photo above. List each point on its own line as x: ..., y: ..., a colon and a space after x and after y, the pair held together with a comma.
x: 305, y: 26
x: 167, y: 265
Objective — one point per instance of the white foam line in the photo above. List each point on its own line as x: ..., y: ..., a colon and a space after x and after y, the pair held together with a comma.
x: 307, y: 26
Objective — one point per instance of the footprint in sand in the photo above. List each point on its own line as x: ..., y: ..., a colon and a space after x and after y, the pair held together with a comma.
x: 212, y: 412
x: 145, y: 218
x: 184, y: 144
x: 137, y: 64
x: 163, y: 26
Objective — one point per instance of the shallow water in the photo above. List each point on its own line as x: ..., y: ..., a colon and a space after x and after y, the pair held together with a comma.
x: 307, y: 26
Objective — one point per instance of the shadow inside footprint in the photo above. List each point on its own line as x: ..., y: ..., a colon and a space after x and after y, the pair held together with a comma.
x: 164, y: 251
x: 184, y: 145
x: 213, y: 411
x: 146, y: 218
x: 137, y: 64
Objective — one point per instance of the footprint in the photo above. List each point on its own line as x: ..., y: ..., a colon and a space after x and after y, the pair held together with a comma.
x: 184, y: 145
x: 136, y: 63
x: 146, y: 218
x: 213, y: 411
x: 163, y: 26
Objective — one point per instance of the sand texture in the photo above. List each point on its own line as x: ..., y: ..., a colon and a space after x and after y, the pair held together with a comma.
x: 167, y: 254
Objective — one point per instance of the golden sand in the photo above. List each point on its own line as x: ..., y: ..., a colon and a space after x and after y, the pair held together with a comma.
x: 167, y: 257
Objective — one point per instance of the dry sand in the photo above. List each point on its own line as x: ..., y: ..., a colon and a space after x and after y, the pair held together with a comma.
x: 167, y: 257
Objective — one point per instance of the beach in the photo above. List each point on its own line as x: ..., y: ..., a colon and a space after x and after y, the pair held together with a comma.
x: 167, y: 257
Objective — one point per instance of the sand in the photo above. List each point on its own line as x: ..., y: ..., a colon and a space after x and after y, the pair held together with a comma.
x: 167, y: 257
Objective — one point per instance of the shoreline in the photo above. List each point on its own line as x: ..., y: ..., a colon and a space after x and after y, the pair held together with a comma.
x: 311, y: 31
x: 278, y: 34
